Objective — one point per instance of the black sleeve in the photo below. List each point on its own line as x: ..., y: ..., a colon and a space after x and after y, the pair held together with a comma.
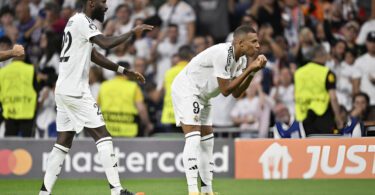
x: 35, y: 83
x: 330, y: 81
x: 328, y: 32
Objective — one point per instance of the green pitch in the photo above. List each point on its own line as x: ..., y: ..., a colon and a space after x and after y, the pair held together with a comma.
x: 178, y: 187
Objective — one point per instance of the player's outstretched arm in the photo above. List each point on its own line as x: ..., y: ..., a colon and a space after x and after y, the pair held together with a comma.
x: 17, y: 51
x: 110, y: 42
x: 102, y: 61
x: 237, y: 86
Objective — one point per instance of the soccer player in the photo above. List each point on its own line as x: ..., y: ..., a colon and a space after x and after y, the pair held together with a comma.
x: 76, y: 108
x: 223, y: 68
x: 16, y: 51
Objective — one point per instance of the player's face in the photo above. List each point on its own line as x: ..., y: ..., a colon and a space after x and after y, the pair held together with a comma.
x: 250, y: 45
x: 99, y: 10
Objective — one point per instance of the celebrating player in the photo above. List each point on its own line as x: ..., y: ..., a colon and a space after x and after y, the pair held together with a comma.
x: 76, y: 108
x: 223, y: 68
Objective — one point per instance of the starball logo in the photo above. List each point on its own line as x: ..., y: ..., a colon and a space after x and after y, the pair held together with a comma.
x: 17, y: 162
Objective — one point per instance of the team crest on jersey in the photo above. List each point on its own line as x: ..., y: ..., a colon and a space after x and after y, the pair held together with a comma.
x: 196, y: 118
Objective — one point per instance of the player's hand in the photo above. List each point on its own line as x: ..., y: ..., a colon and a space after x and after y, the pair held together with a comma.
x: 140, y: 28
x: 18, y: 51
x: 136, y: 76
x: 258, y: 63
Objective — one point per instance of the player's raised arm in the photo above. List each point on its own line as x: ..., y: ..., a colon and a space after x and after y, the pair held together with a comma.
x: 17, y: 51
x: 102, y: 61
x: 110, y: 42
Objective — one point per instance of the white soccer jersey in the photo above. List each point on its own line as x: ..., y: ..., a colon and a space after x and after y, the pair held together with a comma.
x: 75, y: 56
x: 202, y: 71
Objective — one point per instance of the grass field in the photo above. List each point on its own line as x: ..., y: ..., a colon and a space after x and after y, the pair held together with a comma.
x: 178, y: 187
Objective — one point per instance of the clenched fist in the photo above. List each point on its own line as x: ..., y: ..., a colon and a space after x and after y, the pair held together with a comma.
x: 258, y: 63
x: 18, y: 51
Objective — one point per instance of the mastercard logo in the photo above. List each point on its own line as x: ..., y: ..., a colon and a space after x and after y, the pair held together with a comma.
x: 18, y: 162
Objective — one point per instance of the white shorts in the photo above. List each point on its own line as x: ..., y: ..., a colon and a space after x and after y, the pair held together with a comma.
x: 188, y: 108
x: 75, y: 113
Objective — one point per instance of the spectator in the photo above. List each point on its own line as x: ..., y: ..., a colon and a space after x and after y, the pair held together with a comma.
x: 180, y: 13
x: 18, y: 97
x: 337, y: 56
x: 154, y: 106
x: 144, y: 44
x: 347, y: 77
x: 221, y: 118
x: 122, y: 108
x: 163, y: 52
x: 50, y: 44
x: 292, y: 20
x: 283, y: 91
x: 361, y: 105
x: 7, y: 27
x: 366, y: 65
x: 36, y: 6
x: 302, y: 51
x: 286, y: 126
x: 269, y: 12
x: 30, y: 31
x: 350, y: 33
x: 246, y: 20
x: 199, y: 44
x: 141, y: 67
x: 46, y: 107
x: 53, y: 21
x: 142, y: 9
x: 122, y: 52
x: 252, y: 113
x: 366, y: 28
x: 353, y: 126
x: 210, y: 13
x: 316, y: 101
x: 121, y: 23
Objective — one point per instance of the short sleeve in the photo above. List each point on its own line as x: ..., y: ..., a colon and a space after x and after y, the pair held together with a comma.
x: 88, y: 29
x: 138, y: 94
x: 188, y: 14
x: 357, y: 73
x: 221, y: 65
x: 330, y: 81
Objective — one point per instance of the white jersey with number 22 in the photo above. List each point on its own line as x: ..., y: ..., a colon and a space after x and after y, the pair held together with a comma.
x: 75, y: 56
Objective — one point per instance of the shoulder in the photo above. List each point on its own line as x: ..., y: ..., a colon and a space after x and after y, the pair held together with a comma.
x: 183, y: 5
x: 360, y: 61
x: 223, y: 48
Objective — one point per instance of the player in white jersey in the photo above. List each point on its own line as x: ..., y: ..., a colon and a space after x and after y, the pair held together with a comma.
x: 76, y: 108
x: 224, y: 68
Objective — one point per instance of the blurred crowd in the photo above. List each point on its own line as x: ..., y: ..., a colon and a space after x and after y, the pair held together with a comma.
x: 287, y: 29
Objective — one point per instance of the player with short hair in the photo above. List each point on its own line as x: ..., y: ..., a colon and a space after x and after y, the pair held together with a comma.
x: 76, y: 108
x: 224, y: 68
